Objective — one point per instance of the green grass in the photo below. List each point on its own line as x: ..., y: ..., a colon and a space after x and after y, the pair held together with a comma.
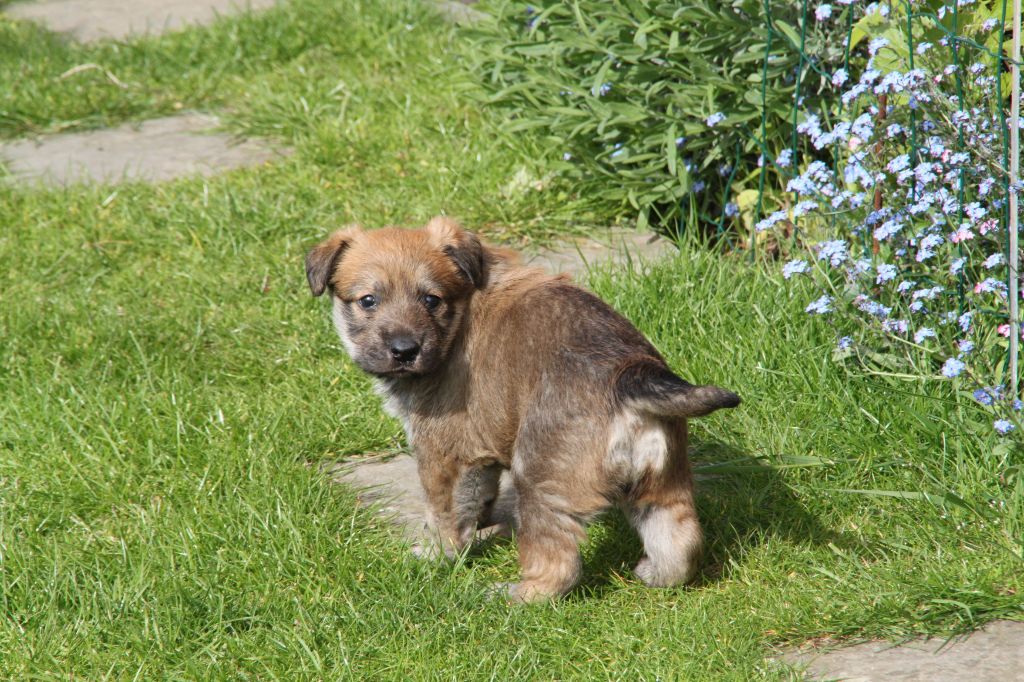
x: 169, y: 386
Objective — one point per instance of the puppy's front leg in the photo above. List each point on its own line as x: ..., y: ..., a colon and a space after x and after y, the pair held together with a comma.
x: 458, y: 498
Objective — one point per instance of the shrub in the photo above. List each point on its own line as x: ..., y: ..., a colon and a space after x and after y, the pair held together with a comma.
x: 657, y: 107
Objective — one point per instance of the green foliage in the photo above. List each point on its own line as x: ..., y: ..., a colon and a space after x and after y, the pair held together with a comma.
x: 622, y: 91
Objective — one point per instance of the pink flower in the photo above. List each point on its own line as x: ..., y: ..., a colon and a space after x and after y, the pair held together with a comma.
x: 961, y: 235
x: 854, y: 143
x: 987, y: 226
x: 1004, y: 330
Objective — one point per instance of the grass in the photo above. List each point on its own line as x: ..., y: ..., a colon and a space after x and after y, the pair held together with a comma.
x: 168, y: 383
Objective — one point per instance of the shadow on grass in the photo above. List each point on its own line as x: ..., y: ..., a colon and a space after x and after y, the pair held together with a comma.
x: 741, y: 505
x: 741, y: 501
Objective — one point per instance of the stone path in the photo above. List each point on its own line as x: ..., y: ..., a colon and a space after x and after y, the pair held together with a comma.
x: 90, y: 20
x: 155, y: 150
x: 392, y: 486
x: 617, y: 246
x: 993, y: 654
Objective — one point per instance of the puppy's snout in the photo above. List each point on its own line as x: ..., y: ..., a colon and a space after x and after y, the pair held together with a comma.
x: 404, y: 348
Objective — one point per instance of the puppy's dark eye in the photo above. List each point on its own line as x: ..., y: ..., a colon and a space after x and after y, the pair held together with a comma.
x: 367, y: 302
x: 431, y: 301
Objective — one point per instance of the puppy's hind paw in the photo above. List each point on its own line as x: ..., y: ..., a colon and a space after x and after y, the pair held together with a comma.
x: 652, y: 576
x: 500, y: 591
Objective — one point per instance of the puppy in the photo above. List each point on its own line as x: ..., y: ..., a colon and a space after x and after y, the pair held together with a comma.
x: 491, y: 365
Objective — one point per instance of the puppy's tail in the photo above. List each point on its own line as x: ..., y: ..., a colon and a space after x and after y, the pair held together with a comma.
x: 650, y: 386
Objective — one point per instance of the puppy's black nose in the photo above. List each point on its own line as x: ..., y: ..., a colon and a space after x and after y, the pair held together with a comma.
x: 404, y: 349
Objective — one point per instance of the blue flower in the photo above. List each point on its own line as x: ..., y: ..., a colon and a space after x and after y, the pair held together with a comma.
x: 994, y: 260
x: 731, y: 210
x: 886, y: 272
x: 863, y: 127
x: 833, y: 251
x: 877, y: 44
x: 1003, y: 426
x: 901, y: 162
x: 801, y: 185
x: 770, y: 221
x: 923, y: 333
x: 989, y: 394
x: 714, y: 119
x: 895, y: 326
x: 803, y: 208
x: 888, y: 229
x: 965, y: 346
x: 795, y: 267
x: 975, y: 211
x: 845, y: 343
x: 820, y: 307
x: 784, y: 158
x: 952, y: 368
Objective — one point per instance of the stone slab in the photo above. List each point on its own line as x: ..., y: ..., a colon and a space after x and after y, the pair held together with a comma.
x: 154, y: 150
x: 458, y: 11
x: 992, y: 654
x: 575, y: 256
x: 90, y: 20
x: 393, y: 486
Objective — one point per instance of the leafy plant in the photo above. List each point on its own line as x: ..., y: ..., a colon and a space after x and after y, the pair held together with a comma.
x: 657, y: 107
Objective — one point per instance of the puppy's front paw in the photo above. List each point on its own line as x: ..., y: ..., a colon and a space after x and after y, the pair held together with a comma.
x: 498, y: 530
x: 431, y: 551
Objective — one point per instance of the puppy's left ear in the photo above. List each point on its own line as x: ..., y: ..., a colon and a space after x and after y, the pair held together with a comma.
x: 323, y: 258
x: 464, y: 248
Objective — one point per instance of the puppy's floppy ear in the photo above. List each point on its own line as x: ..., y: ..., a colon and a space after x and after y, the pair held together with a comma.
x: 464, y: 248
x: 323, y: 258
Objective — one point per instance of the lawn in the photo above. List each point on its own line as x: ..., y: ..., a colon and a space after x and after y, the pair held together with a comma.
x: 169, y: 387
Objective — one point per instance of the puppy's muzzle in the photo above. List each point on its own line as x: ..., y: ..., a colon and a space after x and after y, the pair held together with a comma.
x: 404, y: 349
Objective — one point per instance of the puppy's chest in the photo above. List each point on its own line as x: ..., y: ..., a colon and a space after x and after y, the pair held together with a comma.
x: 434, y: 426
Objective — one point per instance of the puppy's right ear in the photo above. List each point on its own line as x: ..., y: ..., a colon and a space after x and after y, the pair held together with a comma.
x: 323, y: 258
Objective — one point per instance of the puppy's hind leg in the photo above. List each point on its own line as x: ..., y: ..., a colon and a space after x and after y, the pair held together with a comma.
x: 671, y: 535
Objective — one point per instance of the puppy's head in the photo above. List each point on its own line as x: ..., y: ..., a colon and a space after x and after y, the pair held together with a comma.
x: 399, y: 296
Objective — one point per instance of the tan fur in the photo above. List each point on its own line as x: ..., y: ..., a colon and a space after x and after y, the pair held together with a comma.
x: 517, y: 369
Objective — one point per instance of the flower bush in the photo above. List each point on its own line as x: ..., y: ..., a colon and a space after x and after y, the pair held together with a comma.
x: 909, y: 182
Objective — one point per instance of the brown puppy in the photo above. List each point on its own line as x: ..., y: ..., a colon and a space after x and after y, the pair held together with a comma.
x: 491, y: 365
